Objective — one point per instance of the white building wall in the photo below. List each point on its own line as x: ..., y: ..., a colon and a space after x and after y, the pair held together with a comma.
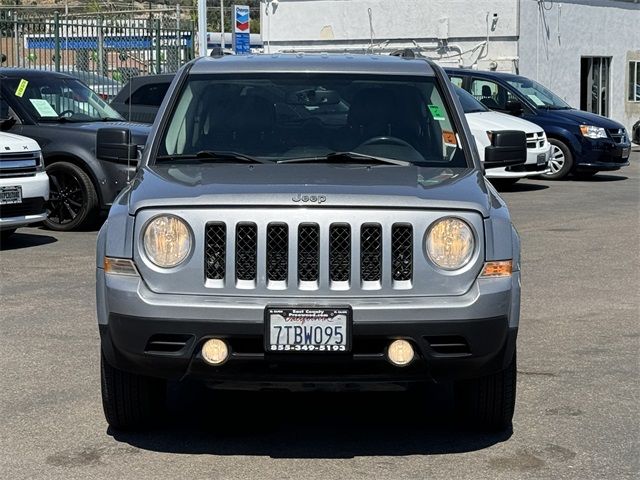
x: 444, y: 28
x: 553, y: 40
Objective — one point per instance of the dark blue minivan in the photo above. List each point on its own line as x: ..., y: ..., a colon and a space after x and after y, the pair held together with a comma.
x: 583, y: 143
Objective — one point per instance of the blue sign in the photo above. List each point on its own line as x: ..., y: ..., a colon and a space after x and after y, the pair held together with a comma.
x: 241, y: 30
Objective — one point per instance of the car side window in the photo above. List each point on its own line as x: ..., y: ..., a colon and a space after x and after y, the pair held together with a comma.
x: 491, y: 94
x: 457, y: 81
x: 150, y: 95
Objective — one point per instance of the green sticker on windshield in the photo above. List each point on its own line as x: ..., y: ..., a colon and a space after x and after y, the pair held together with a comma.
x: 22, y: 86
x: 436, y: 112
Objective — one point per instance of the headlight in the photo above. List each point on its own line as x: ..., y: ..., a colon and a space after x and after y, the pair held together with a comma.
x: 593, y: 132
x: 167, y: 241
x: 450, y: 243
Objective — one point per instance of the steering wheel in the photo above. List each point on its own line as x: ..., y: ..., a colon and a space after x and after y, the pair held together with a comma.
x: 385, y: 139
x: 70, y: 112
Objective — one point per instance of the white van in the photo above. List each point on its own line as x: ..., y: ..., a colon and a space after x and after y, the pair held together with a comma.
x: 483, y: 122
x: 24, y: 185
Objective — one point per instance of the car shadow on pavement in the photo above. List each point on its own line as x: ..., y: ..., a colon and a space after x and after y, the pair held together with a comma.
x: 311, y: 425
x: 600, y: 177
x: 522, y: 187
x: 25, y: 240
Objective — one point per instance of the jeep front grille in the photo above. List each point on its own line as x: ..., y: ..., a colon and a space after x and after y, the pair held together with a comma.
x: 272, y: 248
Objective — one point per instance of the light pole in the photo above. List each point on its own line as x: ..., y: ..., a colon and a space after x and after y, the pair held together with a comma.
x: 202, y: 28
x: 222, y: 25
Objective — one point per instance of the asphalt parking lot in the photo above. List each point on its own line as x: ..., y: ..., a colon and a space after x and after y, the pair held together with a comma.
x: 579, y: 372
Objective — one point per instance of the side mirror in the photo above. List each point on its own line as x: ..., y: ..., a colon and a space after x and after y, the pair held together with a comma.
x: 114, y: 145
x: 7, y: 123
x: 508, y: 147
x: 514, y: 108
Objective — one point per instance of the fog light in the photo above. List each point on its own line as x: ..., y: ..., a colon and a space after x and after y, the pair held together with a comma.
x: 215, y: 351
x: 400, y: 353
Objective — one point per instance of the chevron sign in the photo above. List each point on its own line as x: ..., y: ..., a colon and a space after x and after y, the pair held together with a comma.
x: 241, y: 15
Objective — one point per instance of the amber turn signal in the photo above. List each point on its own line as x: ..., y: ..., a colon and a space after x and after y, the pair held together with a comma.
x: 501, y: 268
x: 119, y: 266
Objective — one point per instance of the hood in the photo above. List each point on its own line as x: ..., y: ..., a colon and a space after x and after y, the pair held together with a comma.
x: 486, y: 121
x: 314, y: 186
x: 139, y: 131
x: 10, y: 142
x: 579, y: 117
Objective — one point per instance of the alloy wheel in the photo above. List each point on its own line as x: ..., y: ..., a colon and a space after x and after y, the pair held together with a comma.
x: 66, y: 197
x: 557, y: 159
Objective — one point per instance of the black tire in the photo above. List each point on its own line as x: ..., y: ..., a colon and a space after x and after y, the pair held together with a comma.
x: 561, y: 161
x: 500, y: 183
x: 131, y: 402
x: 489, y: 402
x: 5, y: 234
x: 73, y: 201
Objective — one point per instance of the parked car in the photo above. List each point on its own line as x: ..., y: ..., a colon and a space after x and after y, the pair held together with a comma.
x: 636, y: 132
x: 24, y: 185
x: 258, y: 246
x: 140, y: 99
x: 484, y: 123
x: 582, y: 143
x: 63, y: 115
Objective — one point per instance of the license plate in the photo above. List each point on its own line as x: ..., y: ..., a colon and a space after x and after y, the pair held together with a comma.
x: 10, y: 195
x: 542, y: 159
x: 308, y: 329
x: 626, y: 152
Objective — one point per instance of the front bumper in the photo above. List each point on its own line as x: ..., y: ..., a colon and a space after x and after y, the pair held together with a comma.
x: 536, y: 164
x: 161, y: 335
x: 602, y: 154
x: 35, y: 192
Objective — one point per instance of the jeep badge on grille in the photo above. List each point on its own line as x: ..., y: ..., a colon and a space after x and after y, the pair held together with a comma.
x: 309, y: 198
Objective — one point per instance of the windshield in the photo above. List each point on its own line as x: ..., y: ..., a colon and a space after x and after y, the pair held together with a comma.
x: 469, y: 102
x: 52, y: 98
x: 279, y: 117
x: 540, y: 96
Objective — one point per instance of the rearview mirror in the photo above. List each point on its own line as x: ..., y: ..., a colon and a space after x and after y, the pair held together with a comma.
x: 114, y: 145
x: 313, y: 98
x: 514, y: 108
x: 508, y: 147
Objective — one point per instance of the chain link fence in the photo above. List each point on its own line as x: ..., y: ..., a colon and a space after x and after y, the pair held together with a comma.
x: 117, y: 46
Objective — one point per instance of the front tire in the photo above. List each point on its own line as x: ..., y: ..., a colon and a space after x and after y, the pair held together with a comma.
x: 130, y: 401
x: 73, y: 201
x: 489, y: 402
x: 561, y: 161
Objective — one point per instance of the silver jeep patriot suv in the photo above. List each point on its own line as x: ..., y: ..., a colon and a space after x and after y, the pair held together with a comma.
x: 298, y: 220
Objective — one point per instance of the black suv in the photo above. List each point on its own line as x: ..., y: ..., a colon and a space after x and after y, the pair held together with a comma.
x: 63, y: 115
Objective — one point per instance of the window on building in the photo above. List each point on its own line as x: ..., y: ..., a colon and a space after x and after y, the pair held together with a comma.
x: 594, y: 84
x: 634, y: 81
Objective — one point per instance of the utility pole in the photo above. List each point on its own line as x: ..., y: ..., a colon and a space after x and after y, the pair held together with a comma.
x: 222, y: 24
x: 202, y: 28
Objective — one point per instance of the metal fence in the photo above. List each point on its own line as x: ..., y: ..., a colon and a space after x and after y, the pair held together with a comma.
x: 118, y: 46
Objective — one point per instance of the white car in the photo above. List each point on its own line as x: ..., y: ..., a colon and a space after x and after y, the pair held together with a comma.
x: 24, y: 185
x: 483, y: 121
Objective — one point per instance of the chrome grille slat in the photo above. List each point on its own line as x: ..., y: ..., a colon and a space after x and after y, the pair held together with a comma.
x: 277, y: 252
x: 215, y: 250
x: 246, y: 251
x: 402, y: 252
x: 308, y: 253
x: 371, y: 253
x: 340, y: 253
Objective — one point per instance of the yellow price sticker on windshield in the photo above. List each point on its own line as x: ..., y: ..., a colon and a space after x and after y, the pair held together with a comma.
x: 22, y: 86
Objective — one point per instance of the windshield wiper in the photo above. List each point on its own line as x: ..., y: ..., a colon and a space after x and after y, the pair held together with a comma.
x: 211, y: 155
x: 348, y: 157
